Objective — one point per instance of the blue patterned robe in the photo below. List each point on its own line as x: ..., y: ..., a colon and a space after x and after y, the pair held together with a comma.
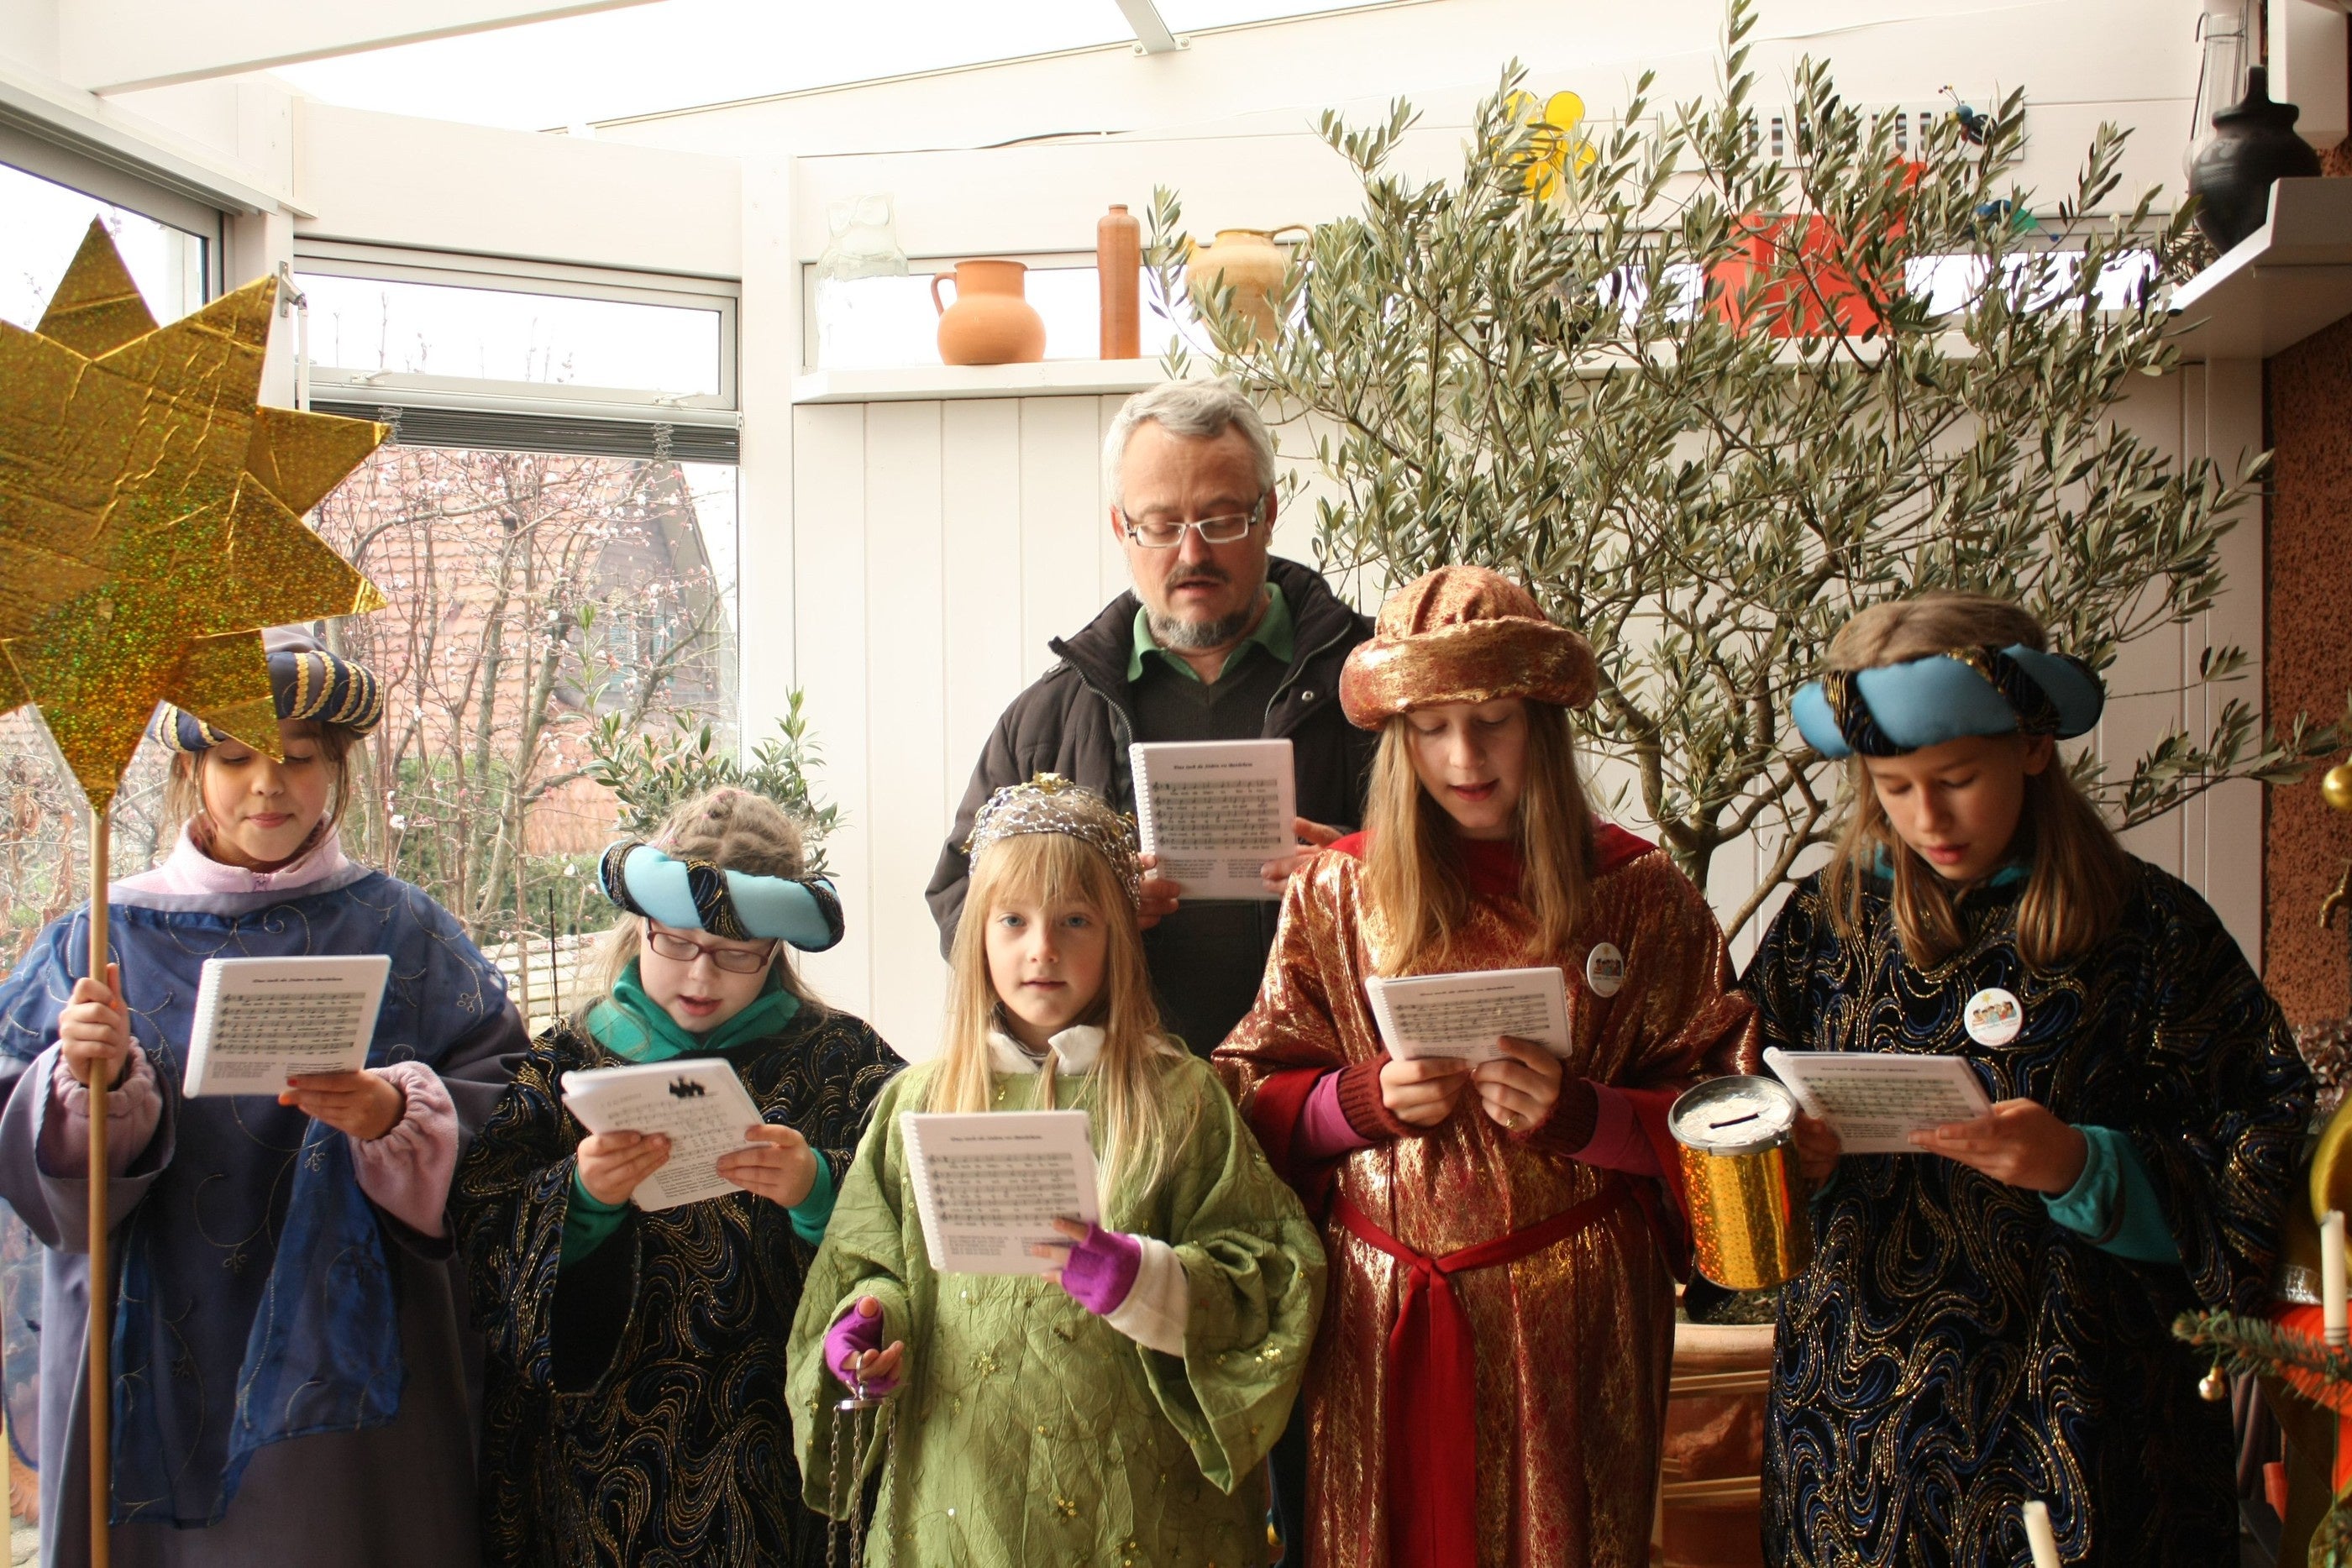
x: 1954, y: 1351
x: 259, y: 1295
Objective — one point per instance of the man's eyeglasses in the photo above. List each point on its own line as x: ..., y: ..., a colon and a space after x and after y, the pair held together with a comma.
x: 686, y: 950
x: 1163, y: 533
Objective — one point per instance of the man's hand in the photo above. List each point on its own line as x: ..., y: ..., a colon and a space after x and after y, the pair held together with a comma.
x: 1275, y: 874
x: 1519, y: 1088
x: 360, y: 1102
x: 1159, y: 895
x: 2019, y: 1143
x: 1423, y: 1093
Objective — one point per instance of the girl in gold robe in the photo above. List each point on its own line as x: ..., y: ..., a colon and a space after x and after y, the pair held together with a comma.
x: 1490, y: 1379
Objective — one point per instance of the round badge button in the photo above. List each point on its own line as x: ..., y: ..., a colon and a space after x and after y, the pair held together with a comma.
x: 1994, y: 1016
x: 1605, y: 969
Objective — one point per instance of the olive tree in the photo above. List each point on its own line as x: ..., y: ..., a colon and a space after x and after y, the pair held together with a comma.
x: 1705, y: 402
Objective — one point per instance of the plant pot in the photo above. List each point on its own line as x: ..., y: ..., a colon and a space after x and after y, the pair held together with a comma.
x: 1711, y: 1451
x: 1250, y: 264
x: 2254, y: 146
x: 991, y: 321
x: 1815, y: 281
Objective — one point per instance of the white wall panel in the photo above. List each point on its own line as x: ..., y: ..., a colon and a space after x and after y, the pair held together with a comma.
x: 908, y: 766
x: 829, y: 616
x: 981, y: 462
x: 1061, y: 570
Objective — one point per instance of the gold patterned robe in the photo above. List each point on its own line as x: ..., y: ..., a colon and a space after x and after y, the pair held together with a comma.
x: 1573, y: 1345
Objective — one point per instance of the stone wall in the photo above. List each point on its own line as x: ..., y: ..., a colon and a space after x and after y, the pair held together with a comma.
x: 2308, y: 665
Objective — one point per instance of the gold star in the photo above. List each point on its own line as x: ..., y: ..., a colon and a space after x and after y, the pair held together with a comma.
x: 151, y: 516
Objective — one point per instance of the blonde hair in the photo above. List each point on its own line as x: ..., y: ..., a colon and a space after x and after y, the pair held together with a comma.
x: 1412, y: 870
x: 1141, y: 1130
x: 2074, y: 894
x: 184, y: 786
x: 734, y: 830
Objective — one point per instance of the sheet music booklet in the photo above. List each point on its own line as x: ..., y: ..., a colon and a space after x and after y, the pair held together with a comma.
x: 1215, y: 810
x: 697, y: 1102
x: 989, y: 1185
x: 260, y: 1022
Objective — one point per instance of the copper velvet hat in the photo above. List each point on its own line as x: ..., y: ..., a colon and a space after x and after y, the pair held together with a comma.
x: 1463, y: 634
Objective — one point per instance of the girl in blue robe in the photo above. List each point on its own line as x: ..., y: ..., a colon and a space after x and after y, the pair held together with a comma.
x: 289, y: 1383
x: 1989, y: 1319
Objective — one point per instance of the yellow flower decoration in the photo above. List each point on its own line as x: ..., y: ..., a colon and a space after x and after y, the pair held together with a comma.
x: 1559, y: 149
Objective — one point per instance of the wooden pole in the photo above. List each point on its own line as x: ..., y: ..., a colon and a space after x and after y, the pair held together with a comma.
x: 101, y: 1317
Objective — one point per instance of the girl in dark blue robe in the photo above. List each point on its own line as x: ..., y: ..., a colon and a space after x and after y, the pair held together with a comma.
x: 1989, y: 1319
x: 290, y: 1376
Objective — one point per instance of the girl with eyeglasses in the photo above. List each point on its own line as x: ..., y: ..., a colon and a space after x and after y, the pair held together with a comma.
x: 634, y: 1401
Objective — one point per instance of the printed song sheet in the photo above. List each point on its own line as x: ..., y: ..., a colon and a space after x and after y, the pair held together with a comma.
x: 260, y: 1022
x: 1214, y: 812
x: 1876, y: 1100
x: 1464, y: 1015
x: 697, y: 1102
x: 990, y: 1184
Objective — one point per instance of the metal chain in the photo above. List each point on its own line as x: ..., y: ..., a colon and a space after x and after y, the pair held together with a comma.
x: 849, y: 1500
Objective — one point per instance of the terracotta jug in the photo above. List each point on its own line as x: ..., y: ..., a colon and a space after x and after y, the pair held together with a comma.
x: 1247, y: 261
x: 991, y: 321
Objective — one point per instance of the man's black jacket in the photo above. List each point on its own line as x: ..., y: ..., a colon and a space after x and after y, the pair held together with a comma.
x: 1078, y: 720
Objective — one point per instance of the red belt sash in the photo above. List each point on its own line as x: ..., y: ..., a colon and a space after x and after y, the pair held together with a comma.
x: 1432, y: 1463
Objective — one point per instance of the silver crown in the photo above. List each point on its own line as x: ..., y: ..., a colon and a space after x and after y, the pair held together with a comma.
x: 1050, y: 803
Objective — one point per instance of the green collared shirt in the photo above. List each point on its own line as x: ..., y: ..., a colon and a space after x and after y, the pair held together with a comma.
x: 1274, y: 634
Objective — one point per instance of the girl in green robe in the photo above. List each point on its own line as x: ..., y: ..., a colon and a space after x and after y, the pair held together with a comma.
x: 1116, y: 1408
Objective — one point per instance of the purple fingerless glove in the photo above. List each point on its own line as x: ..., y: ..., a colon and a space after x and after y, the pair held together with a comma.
x: 852, y: 1335
x: 1101, y: 1270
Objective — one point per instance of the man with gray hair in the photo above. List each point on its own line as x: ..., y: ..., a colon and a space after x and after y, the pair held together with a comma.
x: 1218, y: 640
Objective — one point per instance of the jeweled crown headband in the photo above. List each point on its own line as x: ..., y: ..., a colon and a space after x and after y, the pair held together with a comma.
x: 1050, y: 803
x: 696, y: 895
x: 1890, y: 709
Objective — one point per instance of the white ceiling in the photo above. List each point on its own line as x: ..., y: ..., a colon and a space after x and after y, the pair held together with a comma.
x: 683, y: 54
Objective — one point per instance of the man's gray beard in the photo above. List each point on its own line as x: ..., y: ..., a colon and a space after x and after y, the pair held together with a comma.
x: 1174, y: 632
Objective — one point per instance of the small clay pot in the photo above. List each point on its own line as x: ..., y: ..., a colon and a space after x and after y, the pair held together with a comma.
x: 2254, y: 147
x: 991, y: 321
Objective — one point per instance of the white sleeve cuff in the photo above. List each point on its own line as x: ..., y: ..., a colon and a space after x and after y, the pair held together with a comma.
x: 1160, y: 1302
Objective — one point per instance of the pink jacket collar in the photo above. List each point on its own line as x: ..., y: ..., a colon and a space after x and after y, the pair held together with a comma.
x: 188, y: 870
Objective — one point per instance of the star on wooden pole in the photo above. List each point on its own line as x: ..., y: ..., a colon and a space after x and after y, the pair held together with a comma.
x: 150, y: 526
x: 151, y: 516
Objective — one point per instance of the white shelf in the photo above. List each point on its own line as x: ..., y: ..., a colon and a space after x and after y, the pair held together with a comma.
x: 2279, y: 285
x: 924, y: 384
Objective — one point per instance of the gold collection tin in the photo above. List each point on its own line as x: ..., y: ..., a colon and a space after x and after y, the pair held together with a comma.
x: 1737, y: 1137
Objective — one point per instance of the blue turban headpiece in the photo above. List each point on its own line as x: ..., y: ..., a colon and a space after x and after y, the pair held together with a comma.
x: 1893, y: 708
x: 311, y: 683
x: 696, y: 895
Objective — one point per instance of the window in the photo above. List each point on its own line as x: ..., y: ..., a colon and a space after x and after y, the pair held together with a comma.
x: 536, y: 599
x: 369, y: 328
x: 414, y: 331
x: 42, y: 221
